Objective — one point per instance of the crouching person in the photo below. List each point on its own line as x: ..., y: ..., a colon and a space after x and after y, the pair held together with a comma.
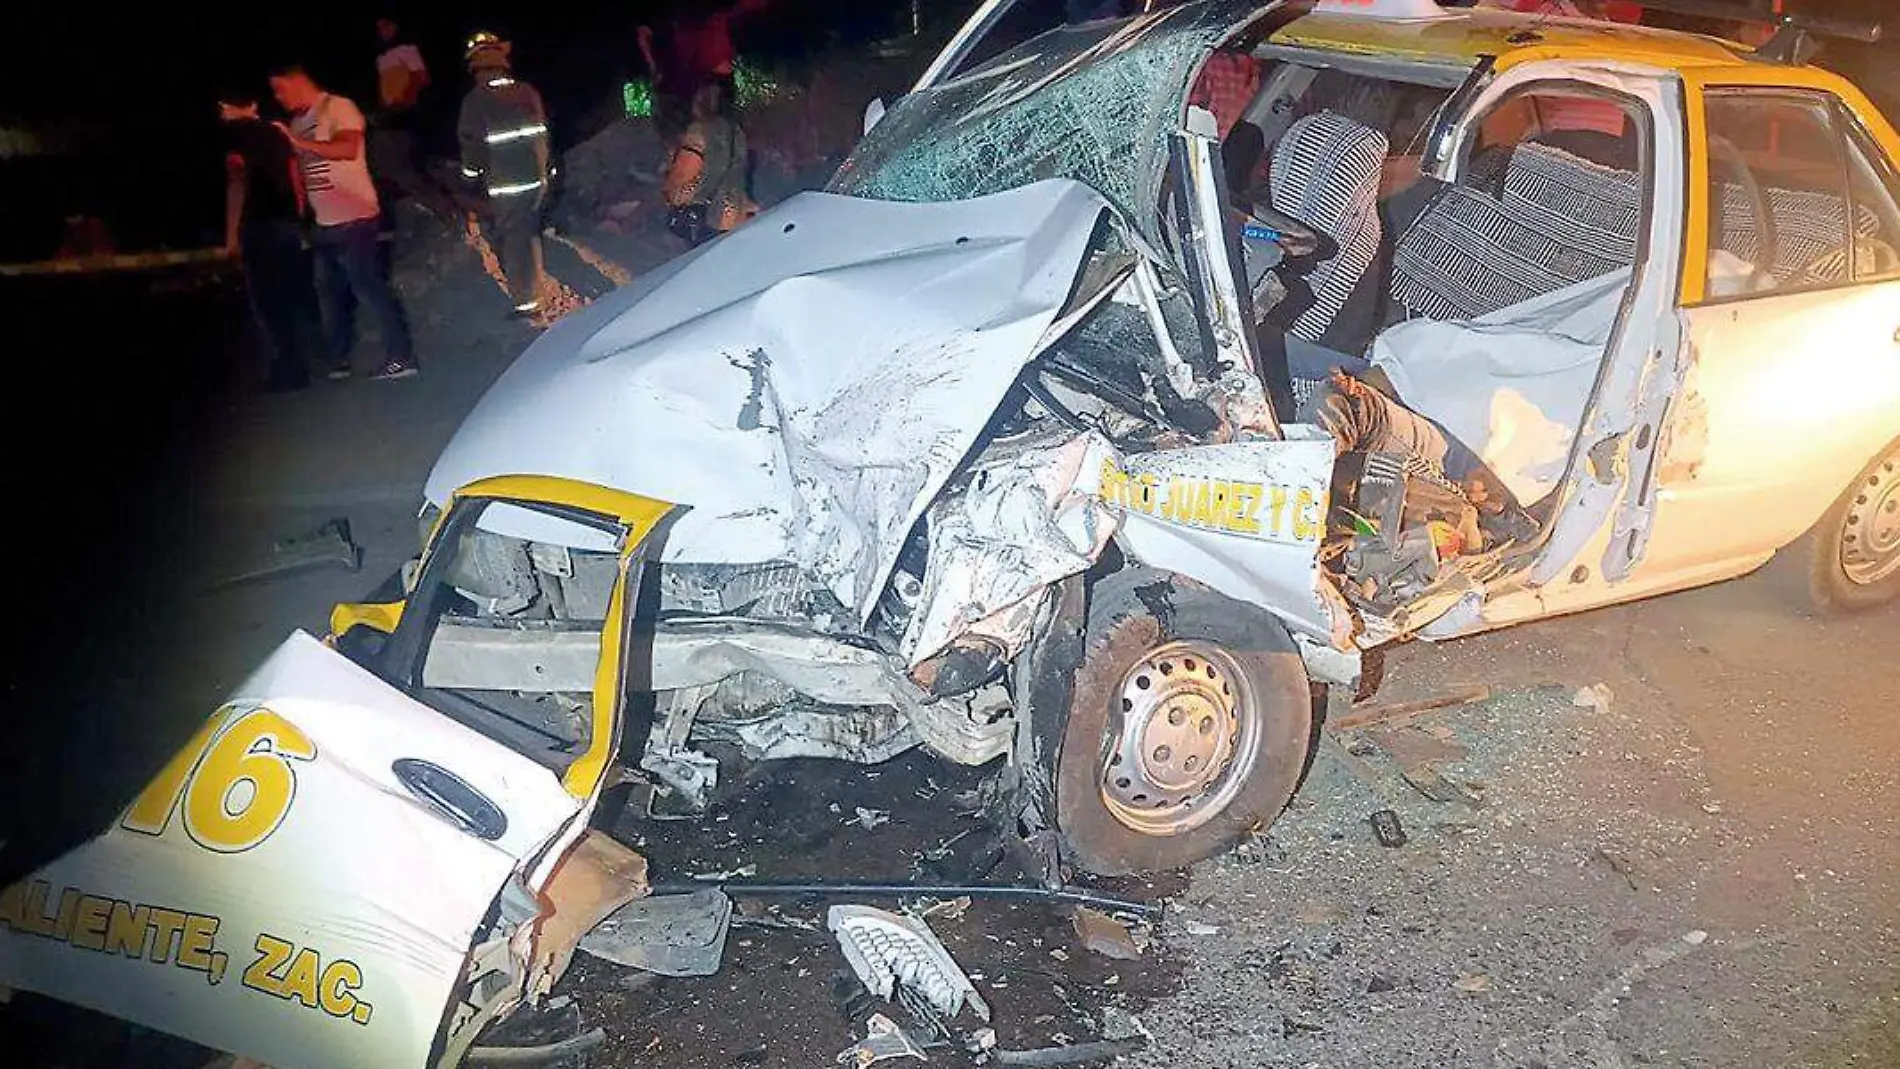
x: 705, y: 186
x: 503, y: 132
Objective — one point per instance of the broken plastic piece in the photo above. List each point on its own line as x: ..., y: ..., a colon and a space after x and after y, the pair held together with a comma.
x: 1074, y: 1054
x: 328, y: 544
x: 883, y: 1041
x: 673, y: 935
x: 886, y: 949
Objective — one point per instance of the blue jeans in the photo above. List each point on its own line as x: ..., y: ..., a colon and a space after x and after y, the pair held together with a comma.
x: 351, y: 269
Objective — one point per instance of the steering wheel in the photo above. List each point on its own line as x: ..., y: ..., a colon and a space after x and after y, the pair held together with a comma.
x: 1729, y: 160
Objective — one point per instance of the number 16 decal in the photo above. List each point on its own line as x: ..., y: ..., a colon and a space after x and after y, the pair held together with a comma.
x: 237, y: 778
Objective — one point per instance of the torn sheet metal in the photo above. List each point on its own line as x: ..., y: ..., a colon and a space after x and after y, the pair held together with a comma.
x: 673, y: 935
x: 887, y: 949
x: 883, y: 1041
x: 595, y: 878
x: 1028, y: 517
x: 1511, y: 385
x: 1246, y: 518
x: 806, y: 384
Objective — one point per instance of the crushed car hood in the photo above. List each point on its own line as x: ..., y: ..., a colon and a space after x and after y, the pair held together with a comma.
x: 805, y: 384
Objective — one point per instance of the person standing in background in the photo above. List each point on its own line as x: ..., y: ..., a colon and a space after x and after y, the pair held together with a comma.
x: 697, y: 48
x: 401, y: 78
x: 327, y: 132
x: 503, y: 131
x: 705, y: 186
x: 263, y: 231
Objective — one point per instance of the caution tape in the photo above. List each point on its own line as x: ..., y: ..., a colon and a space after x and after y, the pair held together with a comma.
x: 131, y: 261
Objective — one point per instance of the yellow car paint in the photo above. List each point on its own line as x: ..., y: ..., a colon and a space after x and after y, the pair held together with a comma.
x: 640, y: 516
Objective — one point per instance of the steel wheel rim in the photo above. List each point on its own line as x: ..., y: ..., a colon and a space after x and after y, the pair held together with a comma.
x: 1188, y: 739
x: 1870, y: 539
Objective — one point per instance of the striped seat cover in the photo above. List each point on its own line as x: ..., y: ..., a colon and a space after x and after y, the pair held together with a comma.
x: 1325, y: 173
x: 1556, y: 219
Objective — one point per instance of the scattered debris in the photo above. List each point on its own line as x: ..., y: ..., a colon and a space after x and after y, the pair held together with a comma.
x: 1197, y: 928
x: 1428, y: 781
x: 870, y: 819
x: 951, y: 909
x: 743, y: 872
x: 1696, y: 938
x: 672, y: 935
x: 1411, y: 747
x: 883, y: 1041
x: 1596, y: 697
x: 1076, y: 1054
x: 1104, y: 935
x: 1387, y: 828
x: 328, y: 544
x: 886, y: 949
x: 1396, y: 713
x: 981, y: 1041
x: 1473, y: 983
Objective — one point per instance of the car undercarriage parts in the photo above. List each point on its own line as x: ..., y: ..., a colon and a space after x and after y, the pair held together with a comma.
x: 887, y: 950
x: 672, y: 935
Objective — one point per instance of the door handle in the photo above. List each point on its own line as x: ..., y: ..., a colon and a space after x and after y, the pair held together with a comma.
x: 451, y: 797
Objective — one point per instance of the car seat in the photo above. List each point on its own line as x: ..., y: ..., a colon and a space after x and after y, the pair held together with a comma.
x: 1325, y: 172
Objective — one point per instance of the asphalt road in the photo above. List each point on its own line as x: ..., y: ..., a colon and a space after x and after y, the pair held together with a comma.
x: 1704, y: 873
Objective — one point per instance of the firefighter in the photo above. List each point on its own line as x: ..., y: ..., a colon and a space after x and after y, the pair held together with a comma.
x: 504, y: 136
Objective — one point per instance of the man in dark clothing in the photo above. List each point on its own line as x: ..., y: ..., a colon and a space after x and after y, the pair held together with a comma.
x: 696, y: 48
x: 262, y: 208
x: 503, y: 132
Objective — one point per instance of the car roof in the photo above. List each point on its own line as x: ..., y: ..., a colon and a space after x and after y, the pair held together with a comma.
x: 1464, y: 36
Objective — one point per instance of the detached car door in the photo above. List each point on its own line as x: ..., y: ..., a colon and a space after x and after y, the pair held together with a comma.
x: 1795, y: 326
x: 304, y: 883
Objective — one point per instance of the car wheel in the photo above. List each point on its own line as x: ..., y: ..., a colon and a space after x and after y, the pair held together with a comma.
x: 1854, y: 552
x: 1188, y: 726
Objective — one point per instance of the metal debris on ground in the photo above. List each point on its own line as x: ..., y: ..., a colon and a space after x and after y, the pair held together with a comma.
x: 1596, y: 697
x: 885, y: 949
x: 1395, y: 713
x: 1473, y: 983
x: 1104, y: 935
x: 743, y: 872
x: 1387, y: 828
x: 883, y: 1041
x: 328, y: 544
x: 948, y: 909
x: 672, y: 935
x: 1073, y: 1054
x: 870, y: 819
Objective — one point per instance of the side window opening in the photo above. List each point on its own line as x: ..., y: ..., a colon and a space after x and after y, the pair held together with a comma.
x: 1874, y: 188
x: 504, y: 635
x: 1793, y: 204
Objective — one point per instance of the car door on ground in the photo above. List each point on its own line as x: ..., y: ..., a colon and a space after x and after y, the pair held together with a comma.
x: 1796, y: 378
x: 304, y: 882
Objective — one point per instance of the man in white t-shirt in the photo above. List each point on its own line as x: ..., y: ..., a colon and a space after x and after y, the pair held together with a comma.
x: 327, y: 131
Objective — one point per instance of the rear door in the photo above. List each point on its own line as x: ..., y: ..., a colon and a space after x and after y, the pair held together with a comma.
x: 1795, y: 333
x: 304, y: 882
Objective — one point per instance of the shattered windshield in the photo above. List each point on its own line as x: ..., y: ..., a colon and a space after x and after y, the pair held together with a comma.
x: 1093, y: 102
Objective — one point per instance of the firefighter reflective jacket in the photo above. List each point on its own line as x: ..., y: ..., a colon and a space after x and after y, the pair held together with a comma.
x: 504, y: 136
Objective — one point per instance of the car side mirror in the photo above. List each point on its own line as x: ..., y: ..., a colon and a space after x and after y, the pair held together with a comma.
x: 872, y: 113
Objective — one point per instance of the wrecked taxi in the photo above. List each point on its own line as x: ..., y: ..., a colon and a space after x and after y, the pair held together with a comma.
x: 1091, y: 419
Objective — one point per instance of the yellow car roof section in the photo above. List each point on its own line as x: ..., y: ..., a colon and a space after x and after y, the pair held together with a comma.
x: 1466, y: 35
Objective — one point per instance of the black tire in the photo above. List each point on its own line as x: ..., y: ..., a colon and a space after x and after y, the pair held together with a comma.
x: 1132, y: 615
x: 1833, y: 583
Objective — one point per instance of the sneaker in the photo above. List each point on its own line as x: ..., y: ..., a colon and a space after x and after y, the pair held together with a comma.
x: 338, y: 373
x: 396, y: 369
